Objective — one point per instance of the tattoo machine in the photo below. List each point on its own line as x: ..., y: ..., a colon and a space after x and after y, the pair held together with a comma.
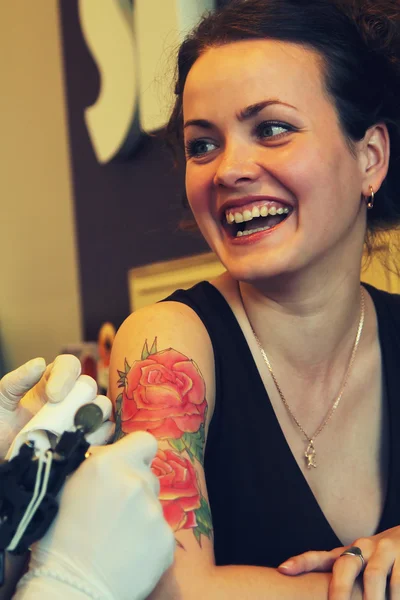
x: 30, y: 482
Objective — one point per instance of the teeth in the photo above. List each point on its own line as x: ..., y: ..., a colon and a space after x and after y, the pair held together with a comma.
x: 243, y: 233
x: 239, y: 218
x: 248, y: 215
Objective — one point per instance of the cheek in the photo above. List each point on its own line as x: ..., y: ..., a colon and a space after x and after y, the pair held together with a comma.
x: 319, y: 175
x: 199, y: 192
x: 294, y: 171
x: 198, y: 182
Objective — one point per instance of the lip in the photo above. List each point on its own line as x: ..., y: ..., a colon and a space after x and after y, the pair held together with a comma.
x: 238, y: 202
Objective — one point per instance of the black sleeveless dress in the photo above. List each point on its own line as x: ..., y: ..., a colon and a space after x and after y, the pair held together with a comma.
x: 262, y: 507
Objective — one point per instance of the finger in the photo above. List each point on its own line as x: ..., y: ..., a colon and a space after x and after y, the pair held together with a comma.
x: 62, y: 414
x: 140, y: 449
x: 136, y: 448
x: 89, y: 383
x: 136, y: 452
x: 345, y: 571
x: 106, y: 406
x: 102, y: 435
x: 149, y: 478
x: 14, y: 385
x: 60, y: 377
x: 377, y: 570
x: 310, y: 561
x: 105, y: 432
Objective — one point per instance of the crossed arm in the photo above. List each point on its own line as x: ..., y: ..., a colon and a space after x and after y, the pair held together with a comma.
x: 162, y: 381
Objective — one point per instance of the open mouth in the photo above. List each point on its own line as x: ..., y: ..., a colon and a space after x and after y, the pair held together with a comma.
x: 242, y: 223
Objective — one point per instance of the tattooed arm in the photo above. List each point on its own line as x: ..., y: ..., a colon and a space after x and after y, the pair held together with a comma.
x: 162, y: 381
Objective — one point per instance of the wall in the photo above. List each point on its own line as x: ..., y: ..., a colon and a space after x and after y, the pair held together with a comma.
x: 39, y: 297
x: 127, y: 211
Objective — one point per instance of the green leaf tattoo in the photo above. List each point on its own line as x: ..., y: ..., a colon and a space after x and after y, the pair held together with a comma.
x: 123, y: 375
x: 153, y: 349
x: 203, y: 517
x: 177, y: 445
x: 194, y: 444
x: 146, y: 352
x: 197, y: 535
x: 119, y: 434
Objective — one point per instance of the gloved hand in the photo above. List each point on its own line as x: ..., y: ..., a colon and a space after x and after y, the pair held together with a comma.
x: 24, y: 391
x: 110, y: 535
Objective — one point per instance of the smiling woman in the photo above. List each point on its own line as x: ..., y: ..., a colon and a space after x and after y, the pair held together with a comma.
x: 288, y: 111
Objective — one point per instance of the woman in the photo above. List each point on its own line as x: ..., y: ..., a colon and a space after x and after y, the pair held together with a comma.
x: 284, y: 368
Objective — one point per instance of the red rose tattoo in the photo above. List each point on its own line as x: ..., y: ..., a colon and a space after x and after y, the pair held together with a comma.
x: 164, y: 395
x: 179, y: 490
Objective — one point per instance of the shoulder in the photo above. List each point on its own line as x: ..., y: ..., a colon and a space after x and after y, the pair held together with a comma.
x: 167, y: 349
x: 170, y: 320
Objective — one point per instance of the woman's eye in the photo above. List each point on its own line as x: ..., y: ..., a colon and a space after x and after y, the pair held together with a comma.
x: 272, y: 129
x: 199, y: 148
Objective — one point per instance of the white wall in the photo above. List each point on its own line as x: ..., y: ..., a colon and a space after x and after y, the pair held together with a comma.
x: 39, y: 290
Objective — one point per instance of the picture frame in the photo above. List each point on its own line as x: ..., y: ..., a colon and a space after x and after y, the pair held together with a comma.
x: 150, y: 283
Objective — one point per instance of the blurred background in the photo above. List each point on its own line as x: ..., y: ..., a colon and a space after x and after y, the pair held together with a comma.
x: 91, y: 200
x: 74, y: 221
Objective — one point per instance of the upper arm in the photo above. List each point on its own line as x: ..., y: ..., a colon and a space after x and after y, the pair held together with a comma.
x: 162, y: 381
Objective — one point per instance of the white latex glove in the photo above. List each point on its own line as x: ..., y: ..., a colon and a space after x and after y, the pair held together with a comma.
x: 24, y: 391
x: 110, y: 535
x: 55, y: 418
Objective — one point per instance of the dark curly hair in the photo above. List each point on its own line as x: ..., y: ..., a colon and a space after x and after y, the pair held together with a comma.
x: 359, y: 42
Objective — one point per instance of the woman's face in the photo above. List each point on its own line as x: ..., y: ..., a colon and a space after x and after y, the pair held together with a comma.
x: 270, y: 178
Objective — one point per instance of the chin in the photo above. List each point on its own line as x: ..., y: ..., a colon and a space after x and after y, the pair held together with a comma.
x: 264, y: 270
x: 292, y: 255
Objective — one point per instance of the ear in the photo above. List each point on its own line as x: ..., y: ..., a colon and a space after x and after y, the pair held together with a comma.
x: 375, y: 157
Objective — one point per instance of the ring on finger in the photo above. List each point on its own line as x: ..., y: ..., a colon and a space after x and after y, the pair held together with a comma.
x: 355, y: 551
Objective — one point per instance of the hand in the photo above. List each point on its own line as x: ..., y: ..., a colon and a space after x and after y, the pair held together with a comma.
x: 381, y: 574
x: 55, y: 418
x: 24, y: 391
x: 110, y: 533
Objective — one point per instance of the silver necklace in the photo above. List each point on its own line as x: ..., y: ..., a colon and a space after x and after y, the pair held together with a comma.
x: 310, y: 453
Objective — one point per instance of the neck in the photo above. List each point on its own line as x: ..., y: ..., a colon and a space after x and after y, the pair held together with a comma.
x: 309, y: 328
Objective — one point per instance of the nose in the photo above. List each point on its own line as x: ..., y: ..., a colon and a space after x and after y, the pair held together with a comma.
x: 236, y: 167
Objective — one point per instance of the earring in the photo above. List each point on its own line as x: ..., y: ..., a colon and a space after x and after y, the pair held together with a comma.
x: 371, y: 199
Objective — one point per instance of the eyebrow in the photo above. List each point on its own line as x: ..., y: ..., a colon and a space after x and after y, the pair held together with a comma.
x: 247, y: 113
x: 254, y: 109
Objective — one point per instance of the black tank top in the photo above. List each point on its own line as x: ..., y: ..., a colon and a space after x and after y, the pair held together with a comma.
x: 262, y: 507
